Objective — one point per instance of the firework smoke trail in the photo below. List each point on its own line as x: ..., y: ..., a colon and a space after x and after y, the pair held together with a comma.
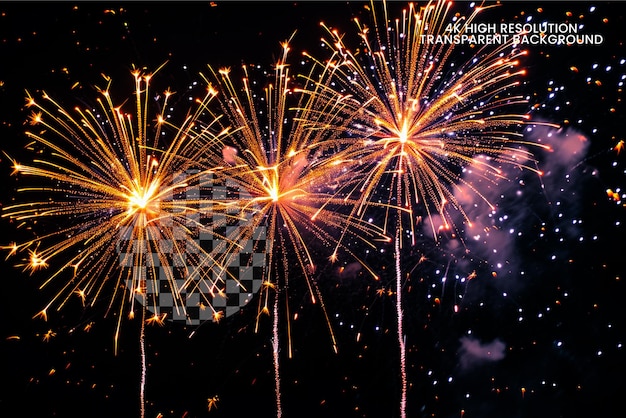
x: 417, y: 120
x: 104, y: 191
x: 287, y: 168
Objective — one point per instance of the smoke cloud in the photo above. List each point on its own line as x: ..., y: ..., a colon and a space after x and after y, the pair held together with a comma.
x: 473, y: 353
x: 499, y: 213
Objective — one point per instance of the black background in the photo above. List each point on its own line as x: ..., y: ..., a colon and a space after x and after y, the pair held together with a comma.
x: 567, y: 363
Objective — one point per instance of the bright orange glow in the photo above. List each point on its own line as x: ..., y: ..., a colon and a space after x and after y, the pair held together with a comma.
x: 144, y: 201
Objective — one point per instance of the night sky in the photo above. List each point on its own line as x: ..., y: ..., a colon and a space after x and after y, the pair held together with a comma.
x: 538, y: 332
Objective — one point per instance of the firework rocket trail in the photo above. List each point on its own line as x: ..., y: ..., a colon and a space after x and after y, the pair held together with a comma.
x: 142, y: 346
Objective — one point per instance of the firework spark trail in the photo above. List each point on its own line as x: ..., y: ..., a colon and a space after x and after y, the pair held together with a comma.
x: 287, y: 168
x: 417, y: 120
x: 400, y: 322
x: 275, y: 357
x: 142, y: 345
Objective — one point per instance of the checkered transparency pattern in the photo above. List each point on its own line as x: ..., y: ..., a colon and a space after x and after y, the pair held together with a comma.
x: 184, y: 258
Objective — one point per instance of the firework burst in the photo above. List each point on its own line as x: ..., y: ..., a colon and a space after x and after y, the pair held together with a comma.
x: 109, y: 186
x: 102, y: 209
x: 418, y: 120
x: 288, y: 170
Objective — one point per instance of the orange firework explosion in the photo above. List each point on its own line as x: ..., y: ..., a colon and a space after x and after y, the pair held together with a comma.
x: 417, y: 120
x: 104, y: 191
x: 287, y: 169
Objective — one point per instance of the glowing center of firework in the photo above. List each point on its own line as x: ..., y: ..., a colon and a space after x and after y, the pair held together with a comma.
x: 274, y: 195
x: 278, y: 192
x: 402, y: 137
x: 403, y: 134
x: 280, y: 182
x: 275, y: 192
x: 399, y: 131
x: 139, y: 201
x: 144, y: 200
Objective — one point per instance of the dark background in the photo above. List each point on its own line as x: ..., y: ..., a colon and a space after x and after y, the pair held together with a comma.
x: 562, y: 322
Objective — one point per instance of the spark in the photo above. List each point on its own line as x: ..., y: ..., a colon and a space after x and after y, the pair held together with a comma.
x: 156, y: 319
x: 218, y: 315
x: 12, y: 249
x: 212, y: 402
x: 49, y: 335
x: 81, y: 295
